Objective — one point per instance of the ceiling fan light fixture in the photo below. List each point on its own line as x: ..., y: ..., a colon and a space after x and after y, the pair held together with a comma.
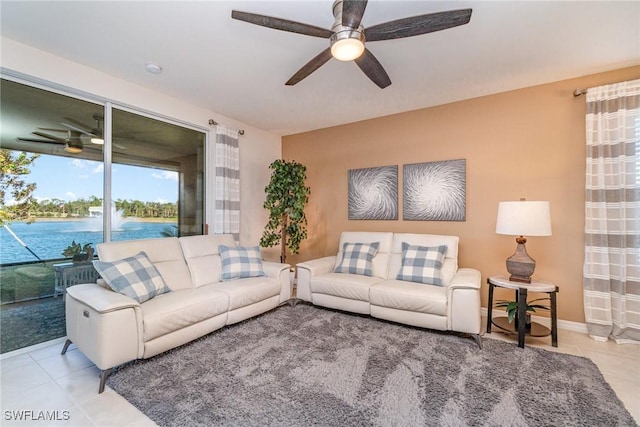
x: 96, y: 133
x: 73, y: 147
x: 347, y: 45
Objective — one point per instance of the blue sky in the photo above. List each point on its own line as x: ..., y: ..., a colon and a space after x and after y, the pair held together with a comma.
x: 70, y: 179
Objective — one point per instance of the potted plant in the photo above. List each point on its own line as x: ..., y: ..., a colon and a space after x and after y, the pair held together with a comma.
x: 78, y: 252
x: 511, y: 307
x: 286, y: 198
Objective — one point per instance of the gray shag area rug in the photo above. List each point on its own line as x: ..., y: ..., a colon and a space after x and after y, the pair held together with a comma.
x: 304, y: 365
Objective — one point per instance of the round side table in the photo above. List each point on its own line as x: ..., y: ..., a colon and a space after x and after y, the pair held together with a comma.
x: 521, y: 290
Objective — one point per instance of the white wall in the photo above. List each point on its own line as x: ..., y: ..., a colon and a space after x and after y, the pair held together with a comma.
x: 258, y: 148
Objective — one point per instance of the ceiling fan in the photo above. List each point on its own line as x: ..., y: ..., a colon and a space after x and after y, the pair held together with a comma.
x: 75, y: 130
x: 347, y: 36
x: 72, y: 143
x: 95, y: 133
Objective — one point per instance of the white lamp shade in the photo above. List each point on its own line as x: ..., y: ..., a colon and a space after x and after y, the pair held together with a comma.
x: 524, y: 218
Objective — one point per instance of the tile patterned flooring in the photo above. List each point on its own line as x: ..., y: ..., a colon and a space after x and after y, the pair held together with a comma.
x: 42, y: 380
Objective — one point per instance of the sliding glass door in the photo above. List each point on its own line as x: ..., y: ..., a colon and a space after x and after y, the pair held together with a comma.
x: 75, y: 173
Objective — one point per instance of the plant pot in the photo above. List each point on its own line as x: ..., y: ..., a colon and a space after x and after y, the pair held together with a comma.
x: 79, y: 257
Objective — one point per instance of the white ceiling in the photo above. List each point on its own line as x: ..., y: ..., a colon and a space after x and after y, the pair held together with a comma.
x: 238, y: 69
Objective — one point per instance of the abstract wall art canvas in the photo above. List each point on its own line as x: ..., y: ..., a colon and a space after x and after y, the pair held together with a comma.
x: 373, y: 193
x: 434, y: 191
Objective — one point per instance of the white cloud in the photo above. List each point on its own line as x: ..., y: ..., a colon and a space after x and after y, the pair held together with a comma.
x: 165, y: 175
x: 70, y: 195
x: 80, y: 164
x: 98, y: 169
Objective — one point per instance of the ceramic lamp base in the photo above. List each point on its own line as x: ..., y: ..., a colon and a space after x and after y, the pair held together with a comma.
x: 520, y: 265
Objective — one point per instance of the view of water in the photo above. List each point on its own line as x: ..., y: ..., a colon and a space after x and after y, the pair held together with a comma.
x: 48, y: 239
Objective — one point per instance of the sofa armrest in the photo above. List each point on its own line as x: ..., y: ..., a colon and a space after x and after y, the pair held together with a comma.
x: 463, y: 295
x: 273, y: 269
x: 308, y: 269
x: 105, y: 325
x: 281, y: 272
x: 466, y: 278
x: 99, y: 298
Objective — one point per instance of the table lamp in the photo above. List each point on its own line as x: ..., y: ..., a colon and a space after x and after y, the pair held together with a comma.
x: 530, y: 218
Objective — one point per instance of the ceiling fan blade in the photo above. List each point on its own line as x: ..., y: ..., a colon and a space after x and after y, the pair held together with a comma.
x: 74, y: 134
x: 352, y: 11
x: 54, y: 130
x: 51, y: 137
x: 310, y: 67
x: 77, y: 126
x: 370, y: 65
x: 281, y: 24
x: 417, y: 25
x: 42, y: 141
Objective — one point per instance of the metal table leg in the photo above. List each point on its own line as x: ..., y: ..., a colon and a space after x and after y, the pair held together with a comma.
x: 554, y: 318
x: 522, y: 316
x: 490, y: 306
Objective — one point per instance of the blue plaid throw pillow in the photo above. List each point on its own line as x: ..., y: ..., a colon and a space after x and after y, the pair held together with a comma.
x: 357, y: 258
x: 422, y: 264
x: 135, y: 277
x: 239, y: 262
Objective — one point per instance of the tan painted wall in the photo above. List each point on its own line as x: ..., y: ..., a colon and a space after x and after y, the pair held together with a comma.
x: 524, y: 143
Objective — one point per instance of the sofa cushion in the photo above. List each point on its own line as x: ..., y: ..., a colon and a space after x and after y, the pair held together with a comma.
x: 422, y: 264
x: 240, y: 262
x: 381, y: 259
x: 409, y: 296
x: 203, y: 256
x: 356, y: 258
x: 176, y: 310
x: 351, y: 286
x: 449, y: 265
x: 247, y: 291
x: 135, y: 277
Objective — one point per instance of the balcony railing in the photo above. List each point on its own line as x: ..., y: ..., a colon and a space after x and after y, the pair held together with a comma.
x: 31, y: 311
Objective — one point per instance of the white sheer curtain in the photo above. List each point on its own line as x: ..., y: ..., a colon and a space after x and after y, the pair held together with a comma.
x: 227, y: 193
x: 612, y: 223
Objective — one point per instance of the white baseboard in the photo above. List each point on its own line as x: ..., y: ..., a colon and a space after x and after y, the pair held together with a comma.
x: 545, y: 321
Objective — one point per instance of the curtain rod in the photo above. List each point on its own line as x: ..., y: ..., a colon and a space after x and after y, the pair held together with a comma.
x: 214, y: 123
x: 579, y: 92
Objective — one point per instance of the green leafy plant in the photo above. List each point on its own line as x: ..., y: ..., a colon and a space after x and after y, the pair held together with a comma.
x: 286, y: 198
x: 78, y: 251
x: 511, y: 307
x: 14, y: 169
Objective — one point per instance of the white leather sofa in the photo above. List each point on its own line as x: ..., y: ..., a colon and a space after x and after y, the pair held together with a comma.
x: 454, y: 306
x: 111, y: 328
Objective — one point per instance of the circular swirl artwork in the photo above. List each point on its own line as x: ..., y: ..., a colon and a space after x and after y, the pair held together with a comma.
x: 434, y: 191
x: 373, y: 193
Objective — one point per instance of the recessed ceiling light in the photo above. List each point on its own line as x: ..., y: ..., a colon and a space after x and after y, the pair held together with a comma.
x: 153, y: 68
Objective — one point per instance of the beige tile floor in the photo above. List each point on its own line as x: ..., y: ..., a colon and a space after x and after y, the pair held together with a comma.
x: 67, y: 386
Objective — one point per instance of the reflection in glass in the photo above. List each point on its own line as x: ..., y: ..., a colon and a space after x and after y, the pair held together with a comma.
x: 157, y: 174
